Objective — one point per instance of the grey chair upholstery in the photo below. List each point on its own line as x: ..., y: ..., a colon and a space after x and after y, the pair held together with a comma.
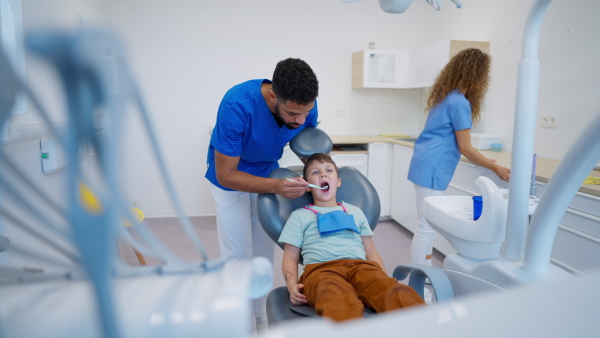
x: 274, y: 210
x: 309, y: 141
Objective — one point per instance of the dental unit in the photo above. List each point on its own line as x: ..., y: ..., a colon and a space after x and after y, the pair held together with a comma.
x: 507, y: 247
x: 98, y: 294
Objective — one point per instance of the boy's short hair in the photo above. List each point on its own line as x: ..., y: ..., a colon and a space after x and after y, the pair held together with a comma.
x: 320, y: 157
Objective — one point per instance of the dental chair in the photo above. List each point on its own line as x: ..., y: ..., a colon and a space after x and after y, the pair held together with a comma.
x: 274, y: 210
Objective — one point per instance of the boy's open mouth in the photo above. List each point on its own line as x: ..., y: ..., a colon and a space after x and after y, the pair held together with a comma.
x: 325, y: 185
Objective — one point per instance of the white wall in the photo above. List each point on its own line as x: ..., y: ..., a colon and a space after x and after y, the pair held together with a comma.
x: 569, y: 51
x: 187, y: 53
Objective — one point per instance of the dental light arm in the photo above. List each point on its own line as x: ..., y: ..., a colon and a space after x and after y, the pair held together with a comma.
x: 399, y: 6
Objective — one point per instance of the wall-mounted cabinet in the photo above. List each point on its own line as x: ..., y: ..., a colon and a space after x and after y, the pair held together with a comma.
x: 379, y: 69
x: 406, y: 69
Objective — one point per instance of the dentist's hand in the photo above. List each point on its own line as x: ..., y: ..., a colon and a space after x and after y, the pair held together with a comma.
x: 292, y: 188
x: 296, y: 296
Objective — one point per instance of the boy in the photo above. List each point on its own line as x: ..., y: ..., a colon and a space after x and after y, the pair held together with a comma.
x: 342, y: 270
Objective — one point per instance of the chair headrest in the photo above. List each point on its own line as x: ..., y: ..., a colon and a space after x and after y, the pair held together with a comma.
x: 274, y: 210
x: 309, y: 141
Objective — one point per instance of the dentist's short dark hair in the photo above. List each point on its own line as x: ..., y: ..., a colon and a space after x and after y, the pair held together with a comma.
x: 294, y: 80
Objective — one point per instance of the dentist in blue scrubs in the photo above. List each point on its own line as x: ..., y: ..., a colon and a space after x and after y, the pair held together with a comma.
x: 454, y: 102
x: 255, y: 120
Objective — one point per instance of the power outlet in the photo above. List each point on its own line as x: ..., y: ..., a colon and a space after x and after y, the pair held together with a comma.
x: 549, y: 121
x: 341, y: 112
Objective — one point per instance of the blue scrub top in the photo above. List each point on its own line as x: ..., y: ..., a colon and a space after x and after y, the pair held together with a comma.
x: 436, y: 152
x: 246, y: 128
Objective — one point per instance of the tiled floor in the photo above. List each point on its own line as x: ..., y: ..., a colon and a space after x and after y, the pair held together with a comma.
x: 391, y: 240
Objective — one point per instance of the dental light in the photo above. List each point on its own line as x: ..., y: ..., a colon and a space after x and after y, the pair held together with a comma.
x: 399, y: 6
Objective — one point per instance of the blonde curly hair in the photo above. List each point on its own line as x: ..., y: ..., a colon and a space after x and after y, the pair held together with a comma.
x: 468, y: 71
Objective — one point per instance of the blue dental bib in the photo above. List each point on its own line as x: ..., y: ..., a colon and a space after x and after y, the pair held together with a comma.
x: 334, y: 221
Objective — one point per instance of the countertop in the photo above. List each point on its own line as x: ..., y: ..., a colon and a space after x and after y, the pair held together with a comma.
x: 545, y: 167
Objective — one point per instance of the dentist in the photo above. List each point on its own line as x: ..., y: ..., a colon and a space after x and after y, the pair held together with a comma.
x: 255, y: 120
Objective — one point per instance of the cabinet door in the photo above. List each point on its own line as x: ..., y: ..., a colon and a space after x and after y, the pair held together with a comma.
x: 380, y: 173
x: 358, y: 161
x: 463, y: 181
x: 426, y: 63
x: 577, y: 242
x: 379, y: 69
x: 402, y: 205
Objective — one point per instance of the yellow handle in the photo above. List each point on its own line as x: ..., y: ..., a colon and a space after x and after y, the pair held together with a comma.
x: 92, y: 204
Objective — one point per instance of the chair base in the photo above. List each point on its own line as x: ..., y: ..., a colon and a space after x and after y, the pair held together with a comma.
x: 280, y: 309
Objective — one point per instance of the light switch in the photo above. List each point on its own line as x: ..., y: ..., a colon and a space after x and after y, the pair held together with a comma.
x: 52, y: 154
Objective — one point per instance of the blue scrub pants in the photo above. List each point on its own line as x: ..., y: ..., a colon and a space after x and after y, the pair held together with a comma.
x: 241, y: 237
x: 421, y: 248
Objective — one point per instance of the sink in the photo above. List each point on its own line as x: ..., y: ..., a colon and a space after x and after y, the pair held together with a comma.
x: 451, y: 216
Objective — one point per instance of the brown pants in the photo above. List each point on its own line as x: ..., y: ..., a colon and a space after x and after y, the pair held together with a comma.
x: 338, y: 289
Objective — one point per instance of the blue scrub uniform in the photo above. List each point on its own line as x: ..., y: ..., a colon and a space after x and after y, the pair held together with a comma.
x: 436, y: 152
x: 246, y: 128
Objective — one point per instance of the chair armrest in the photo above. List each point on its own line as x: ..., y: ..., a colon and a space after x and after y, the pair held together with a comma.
x: 418, y: 273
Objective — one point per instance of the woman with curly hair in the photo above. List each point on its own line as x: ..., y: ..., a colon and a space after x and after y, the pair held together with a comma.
x: 454, y: 104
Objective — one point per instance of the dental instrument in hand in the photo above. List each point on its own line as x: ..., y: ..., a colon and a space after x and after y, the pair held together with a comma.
x: 310, y: 185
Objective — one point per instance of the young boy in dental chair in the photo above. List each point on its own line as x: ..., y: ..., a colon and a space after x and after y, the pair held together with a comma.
x: 342, y: 269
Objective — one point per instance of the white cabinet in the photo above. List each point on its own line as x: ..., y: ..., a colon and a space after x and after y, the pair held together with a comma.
x: 577, y: 243
x: 463, y: 181
x: 379, y: 69
x: 406, y: 69
x: 427, y: 62
x: 358, y: 160
x: 402, y: 204
x: 380, y: 173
